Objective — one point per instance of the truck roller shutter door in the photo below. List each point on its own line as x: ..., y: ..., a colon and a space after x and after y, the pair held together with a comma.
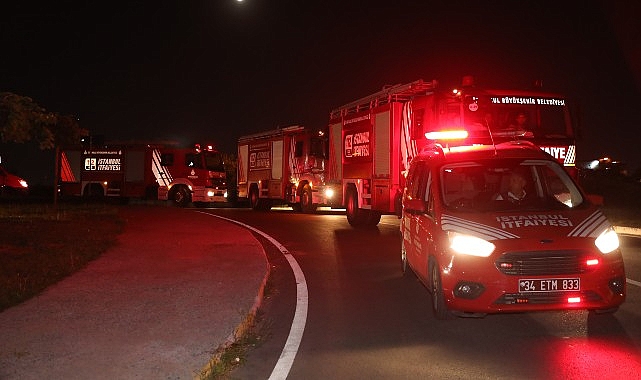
x: 382, y: 148
x: 277, y: 159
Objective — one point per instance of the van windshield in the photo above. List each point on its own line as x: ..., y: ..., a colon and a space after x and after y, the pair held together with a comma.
x: 502, y: 185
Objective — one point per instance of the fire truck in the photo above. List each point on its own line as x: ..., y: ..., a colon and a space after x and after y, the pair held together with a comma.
x: 373, y: 139
x: 145, y: 171
x: 284, y: 166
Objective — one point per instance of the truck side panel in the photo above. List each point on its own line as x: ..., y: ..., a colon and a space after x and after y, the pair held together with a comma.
x: 134, y: 181
x: 335, y: 170
x: 242, y: 165
x: 357, y: 146
x: 382, y: 159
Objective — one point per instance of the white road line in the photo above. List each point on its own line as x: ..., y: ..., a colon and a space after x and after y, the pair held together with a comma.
x: 637, y: 283
x: 286, y: 359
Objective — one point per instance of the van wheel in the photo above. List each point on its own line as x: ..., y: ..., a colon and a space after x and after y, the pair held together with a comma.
x: 438, y: 299
x: 180, y: 196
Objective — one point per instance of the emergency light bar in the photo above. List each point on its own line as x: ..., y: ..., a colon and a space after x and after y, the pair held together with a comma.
x: 447, y: 135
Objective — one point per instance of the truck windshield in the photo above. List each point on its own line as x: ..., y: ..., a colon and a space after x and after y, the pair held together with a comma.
x: 501, y: 185
x: 534, y: 117
x: 214, y: 161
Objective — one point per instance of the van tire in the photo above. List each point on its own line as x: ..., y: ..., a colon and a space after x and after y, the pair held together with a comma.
x: 438, y: 298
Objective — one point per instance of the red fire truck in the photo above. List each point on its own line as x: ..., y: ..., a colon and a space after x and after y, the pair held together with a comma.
x: 285, y: 166
x: 373, y: 139
x: 147, y: 171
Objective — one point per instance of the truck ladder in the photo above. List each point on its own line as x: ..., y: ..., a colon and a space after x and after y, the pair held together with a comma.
x: 394, y: 93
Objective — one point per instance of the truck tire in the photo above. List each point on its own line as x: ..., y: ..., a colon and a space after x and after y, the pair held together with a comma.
x: 355, y: 217
x: 253, y: 198
x: 373, y: 217
x: 93, y: 191
x: 306, y: 200
x: 180, y: 196
x: 256, y: 203
x: 289, y: 198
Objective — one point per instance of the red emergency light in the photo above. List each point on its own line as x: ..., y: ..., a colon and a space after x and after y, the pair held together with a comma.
x: 591, y: 262
x: 454, y: 134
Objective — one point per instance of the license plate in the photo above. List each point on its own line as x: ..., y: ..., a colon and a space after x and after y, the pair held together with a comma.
x: 528, y: 285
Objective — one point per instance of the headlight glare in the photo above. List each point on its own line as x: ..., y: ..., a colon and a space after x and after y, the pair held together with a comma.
x: 608, y: 241
x: 470, y: 245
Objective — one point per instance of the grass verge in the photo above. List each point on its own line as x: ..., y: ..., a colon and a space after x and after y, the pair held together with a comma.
x: 40, y: 245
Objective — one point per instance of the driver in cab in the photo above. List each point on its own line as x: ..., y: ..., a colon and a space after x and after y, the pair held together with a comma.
x: 516, y: 189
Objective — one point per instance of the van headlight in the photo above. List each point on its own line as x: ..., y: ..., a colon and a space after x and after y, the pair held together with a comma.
x: 470, y: 245
x: 608, y: 241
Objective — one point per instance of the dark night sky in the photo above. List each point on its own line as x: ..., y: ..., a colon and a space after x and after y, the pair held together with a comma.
x: 218, y: 69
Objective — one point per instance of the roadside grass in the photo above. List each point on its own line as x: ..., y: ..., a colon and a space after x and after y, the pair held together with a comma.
x: 41, y: 244
x: 230, y: 356
x: 235, y: 354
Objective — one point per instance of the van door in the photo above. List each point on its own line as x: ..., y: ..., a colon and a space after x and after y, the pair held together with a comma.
x: 419, y: 192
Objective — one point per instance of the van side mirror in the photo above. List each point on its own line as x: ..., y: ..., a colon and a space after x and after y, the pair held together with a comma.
x: 416, y: 206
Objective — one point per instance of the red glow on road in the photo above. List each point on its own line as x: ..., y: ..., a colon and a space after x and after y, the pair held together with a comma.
x: 577, y: 358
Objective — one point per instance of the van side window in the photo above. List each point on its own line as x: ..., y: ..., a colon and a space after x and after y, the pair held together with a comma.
x: 421, y: 181
x: 416, y: 179
x: 428, y: 193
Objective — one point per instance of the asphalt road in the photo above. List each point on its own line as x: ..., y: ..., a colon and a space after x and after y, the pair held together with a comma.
x: 366, y: 321
x: 181, y: 281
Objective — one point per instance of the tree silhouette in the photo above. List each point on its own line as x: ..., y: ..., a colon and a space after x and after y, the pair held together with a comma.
x: 22, y: 120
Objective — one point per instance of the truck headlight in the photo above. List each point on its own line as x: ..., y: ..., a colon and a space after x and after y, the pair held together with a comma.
x: 329, y: 193
x: 608, y: 241
x: 470, y: 245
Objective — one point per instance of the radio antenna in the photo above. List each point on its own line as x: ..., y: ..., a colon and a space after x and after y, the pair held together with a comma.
x: 489, y: 131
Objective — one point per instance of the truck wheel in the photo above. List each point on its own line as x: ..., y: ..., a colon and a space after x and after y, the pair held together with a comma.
x: 180, y: 197
x: 306, y: 202
x: 94, y: 192
x: 256, y: 203
x: 253, y: 198
x: 355, y: 215
x: 373, y: 218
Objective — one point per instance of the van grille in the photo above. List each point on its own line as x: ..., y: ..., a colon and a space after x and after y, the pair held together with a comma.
x: 537, y: 263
